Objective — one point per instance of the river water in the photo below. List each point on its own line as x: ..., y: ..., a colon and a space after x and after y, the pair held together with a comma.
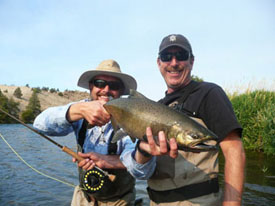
x: 20, y: 185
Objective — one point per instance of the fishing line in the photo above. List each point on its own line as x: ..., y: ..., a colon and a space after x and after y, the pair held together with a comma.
x: 93, y: 179
x: 34, y: 169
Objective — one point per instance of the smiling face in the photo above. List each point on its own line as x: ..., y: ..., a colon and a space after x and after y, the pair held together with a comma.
x: 176, y: 73
x: 104, y: 93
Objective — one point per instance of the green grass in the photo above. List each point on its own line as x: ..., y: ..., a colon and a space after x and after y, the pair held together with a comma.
x: 256, y: 113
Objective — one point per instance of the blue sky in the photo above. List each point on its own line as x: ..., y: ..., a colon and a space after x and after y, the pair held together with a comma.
x: 52, y: 42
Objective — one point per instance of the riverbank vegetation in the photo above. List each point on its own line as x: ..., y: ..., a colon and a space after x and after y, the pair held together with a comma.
x: 256, y: 113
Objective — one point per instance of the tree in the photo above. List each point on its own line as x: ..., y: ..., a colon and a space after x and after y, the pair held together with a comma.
x: 196, y: 78
x: 17, y: 93
x: 10, y: 106
x: 33, y: 108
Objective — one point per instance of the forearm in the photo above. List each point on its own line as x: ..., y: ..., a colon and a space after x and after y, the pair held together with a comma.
x: 233, y: 172
x: 113, y: 162
x: 53, y: 121
x: 74, y: 113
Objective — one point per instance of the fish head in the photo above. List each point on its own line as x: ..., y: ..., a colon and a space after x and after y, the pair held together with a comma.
x: 196, y: 142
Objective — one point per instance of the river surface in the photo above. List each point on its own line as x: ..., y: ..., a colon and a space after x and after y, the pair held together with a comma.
x: 22, y: 186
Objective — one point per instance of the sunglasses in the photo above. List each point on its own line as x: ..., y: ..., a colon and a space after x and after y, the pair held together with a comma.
x: 180, y: 56
x: 113, y: 85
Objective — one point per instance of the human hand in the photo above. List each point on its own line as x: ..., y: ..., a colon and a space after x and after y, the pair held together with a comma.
x: 90, y: 160
x: 164, y: 148
x: 95, y: 113
x: 92, y: 111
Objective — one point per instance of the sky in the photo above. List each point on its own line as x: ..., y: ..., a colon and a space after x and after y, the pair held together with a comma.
x: 50, y: 43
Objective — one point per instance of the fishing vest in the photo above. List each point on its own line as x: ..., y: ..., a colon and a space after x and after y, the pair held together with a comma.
x: 191, y: 174
x: 123, y: 182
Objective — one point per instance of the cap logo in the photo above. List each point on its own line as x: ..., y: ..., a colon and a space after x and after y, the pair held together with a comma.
x: 172, y: 38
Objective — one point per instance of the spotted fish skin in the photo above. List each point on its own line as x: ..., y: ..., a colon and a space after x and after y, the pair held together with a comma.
x: 135, y: 113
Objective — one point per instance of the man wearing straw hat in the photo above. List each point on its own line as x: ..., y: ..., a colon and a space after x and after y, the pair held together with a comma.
x: 91, y: 124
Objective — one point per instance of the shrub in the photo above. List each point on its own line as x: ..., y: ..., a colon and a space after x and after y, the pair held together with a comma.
x: 32, y: 110
x: 256, y: 113
x: 52, y: 90
x: 36, y: 89
x: 17, y: 93
x: 9, y: 106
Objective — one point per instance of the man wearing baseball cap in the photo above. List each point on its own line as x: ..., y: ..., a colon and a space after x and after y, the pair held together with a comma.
x: 91, y: 124
x: 178, y: 177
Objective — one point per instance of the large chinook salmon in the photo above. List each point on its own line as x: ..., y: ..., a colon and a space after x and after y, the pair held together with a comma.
x: 135, y: 113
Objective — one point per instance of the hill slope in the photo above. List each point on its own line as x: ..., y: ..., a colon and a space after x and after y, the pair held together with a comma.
x: 46, y: 98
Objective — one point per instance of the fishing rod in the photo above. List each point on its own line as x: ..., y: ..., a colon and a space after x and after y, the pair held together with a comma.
x: 99, y: 173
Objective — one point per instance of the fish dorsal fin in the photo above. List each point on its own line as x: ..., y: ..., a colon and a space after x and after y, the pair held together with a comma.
x: 136, y: 94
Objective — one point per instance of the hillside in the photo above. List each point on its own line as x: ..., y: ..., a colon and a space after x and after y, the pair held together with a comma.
x: 46, y: 98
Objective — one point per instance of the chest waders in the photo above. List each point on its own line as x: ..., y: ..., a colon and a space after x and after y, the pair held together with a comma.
x: 190, y: 175
x: 101, y: 187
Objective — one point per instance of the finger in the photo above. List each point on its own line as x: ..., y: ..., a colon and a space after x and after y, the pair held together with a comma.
x: 82, y: 163
x: 89, y: 165
x: 173, y: 148
x: 162, y: 143
x: 150, y: 139
x: 84, y: 155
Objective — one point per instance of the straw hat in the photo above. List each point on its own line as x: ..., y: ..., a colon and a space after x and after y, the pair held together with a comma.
x: 110, y: 68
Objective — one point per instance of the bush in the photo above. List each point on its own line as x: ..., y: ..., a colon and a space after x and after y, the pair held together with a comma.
x: 196, y: 78
x: 27, y: 116
x: 32, y: 110
x: 256, y: 113
x: 45, y: 89
x: 10, y: 106
x: 52, y: 90
x: 17, y: 93
x: 36, y: 89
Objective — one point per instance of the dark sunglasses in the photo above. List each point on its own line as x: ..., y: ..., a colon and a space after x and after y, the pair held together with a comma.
x: 180, y: 56
x: 113, y: 85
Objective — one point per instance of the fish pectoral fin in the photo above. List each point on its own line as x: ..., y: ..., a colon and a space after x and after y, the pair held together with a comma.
x: 119, y: 134
x: 114, y: 124
x: 136, y: 94
x: 133, y: 139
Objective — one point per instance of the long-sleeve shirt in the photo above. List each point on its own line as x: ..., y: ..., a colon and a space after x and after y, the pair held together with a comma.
x: 53, y: 122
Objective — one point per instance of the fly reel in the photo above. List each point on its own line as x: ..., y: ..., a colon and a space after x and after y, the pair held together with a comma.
x: 94, y: 180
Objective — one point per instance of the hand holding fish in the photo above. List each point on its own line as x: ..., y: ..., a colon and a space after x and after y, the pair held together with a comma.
x: 92, y: 111
x: 163, y: 148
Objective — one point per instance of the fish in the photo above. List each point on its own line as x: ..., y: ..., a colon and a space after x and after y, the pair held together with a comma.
x: 133, y: 114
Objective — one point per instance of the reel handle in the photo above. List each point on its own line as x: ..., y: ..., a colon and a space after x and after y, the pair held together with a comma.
x: 76, y: 156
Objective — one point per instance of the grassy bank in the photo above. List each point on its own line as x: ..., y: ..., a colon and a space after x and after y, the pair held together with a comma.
x: 256, y: 113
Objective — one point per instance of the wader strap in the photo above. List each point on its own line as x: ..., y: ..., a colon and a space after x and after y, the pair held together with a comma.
x: 112, y: 147
x: 192, y: 87
x: 184, y: 193
x: 82, y: 133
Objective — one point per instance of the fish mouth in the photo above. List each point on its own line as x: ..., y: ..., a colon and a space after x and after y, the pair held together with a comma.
x: 201, y: 147
x: 205, y: 147
x: 209, y: 145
